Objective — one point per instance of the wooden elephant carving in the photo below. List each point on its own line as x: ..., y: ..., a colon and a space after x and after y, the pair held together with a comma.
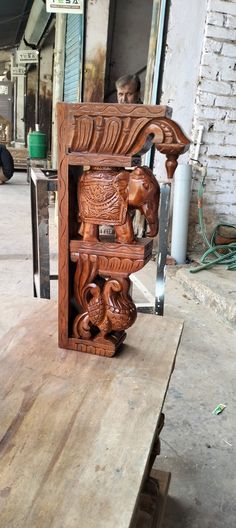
x: 95, y: 303
x: 108, y: 195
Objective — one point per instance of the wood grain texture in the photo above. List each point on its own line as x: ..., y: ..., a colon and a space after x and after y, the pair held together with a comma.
x: 105, y: 134
x: 101, y: 291
x: 76, y: 430
x: 107, y: 160
x: 108, y: 196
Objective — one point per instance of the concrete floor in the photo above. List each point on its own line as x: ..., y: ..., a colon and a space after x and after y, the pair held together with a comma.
x: 197, y: 446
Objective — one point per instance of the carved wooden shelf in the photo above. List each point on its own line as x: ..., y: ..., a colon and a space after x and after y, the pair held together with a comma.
x: 95, y: 306
x: 113, y: 258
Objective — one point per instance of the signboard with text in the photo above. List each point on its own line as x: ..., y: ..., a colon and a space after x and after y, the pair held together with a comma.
x: 65, y: 6
x: 18, y: 70
x: 27, y: 56
x: 3, y: 89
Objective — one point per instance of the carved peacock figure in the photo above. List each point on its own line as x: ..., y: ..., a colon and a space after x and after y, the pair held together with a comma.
x: 107, y: 304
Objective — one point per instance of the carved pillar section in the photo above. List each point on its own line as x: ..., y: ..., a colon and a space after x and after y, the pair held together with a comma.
x: 95, y: 306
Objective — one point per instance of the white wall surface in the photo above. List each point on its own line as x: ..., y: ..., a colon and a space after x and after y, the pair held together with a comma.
x: 181, y: 65
x: 199, y: 82
x: 215, y: 110
x: 182, y: 58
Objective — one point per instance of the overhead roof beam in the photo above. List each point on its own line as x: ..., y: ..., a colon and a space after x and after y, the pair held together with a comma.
x: 36, y: 25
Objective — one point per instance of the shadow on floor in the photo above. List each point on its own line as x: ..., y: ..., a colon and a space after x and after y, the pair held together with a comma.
x: 177, y: 515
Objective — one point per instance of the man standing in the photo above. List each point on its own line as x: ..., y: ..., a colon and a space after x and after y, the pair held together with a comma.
x: 6, y: 164
x: 128, y: 89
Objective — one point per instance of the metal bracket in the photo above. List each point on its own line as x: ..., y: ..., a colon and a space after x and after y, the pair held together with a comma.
x: 158, y: 307
x: 40, y: 185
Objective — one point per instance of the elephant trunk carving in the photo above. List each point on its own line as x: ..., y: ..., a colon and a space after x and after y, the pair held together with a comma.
x: 108, y: 196
x: 144, y: 194
x: 151, y: 216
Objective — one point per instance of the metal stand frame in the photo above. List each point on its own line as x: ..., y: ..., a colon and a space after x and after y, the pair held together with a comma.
x: 40, y: 185
x: 40, y: 163
x: 158, y: 307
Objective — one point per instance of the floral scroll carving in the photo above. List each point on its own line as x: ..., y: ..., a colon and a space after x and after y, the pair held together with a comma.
x: 124, y: 135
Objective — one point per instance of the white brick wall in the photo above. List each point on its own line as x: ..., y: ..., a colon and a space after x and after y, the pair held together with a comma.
x: 230, y: 21
x: 215, y: 108
x: 228, y: 49
x: 220, y: 33
x: 214, y: 87
x: 222, y: 6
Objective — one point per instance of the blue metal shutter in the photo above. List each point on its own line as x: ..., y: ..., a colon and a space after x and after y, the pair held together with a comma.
x: 73, y: 58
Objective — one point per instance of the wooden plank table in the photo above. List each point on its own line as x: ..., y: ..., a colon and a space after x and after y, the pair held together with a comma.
x: 76, y: 430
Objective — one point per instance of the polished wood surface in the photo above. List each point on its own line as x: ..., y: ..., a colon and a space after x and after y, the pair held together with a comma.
x: 97, y: 133
x: 101, y: 291
x: 107, y: 196
x: 77, y: 430
x: 95, y: 305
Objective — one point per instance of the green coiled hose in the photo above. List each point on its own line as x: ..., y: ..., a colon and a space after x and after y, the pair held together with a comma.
x: 212, y: 256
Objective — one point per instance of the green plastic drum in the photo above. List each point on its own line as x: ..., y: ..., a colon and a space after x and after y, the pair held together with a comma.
x: 37, y: 143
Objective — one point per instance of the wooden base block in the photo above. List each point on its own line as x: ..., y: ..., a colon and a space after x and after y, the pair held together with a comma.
x: 163, y: 479
x: 98, y: 346
x: 152, y: 502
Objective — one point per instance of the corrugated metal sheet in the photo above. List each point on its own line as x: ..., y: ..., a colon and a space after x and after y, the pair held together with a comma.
x: 73, y: 58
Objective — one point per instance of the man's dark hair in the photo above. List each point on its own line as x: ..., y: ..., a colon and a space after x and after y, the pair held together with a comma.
x: 127, y: 79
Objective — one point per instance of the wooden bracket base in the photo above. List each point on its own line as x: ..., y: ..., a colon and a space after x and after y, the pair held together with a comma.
x: 98, y: 346
x: 104, y: 306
